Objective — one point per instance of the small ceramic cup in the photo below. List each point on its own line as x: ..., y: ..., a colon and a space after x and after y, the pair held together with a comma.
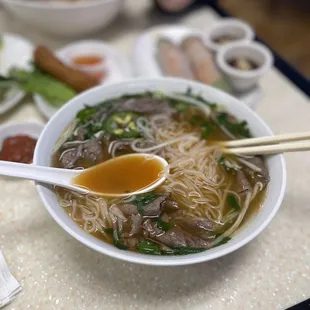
x: 243, y: 80
x: 87, y: 49
x: 236, y: 29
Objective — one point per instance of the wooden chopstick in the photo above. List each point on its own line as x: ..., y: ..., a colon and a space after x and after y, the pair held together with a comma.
x: 269, y: 149
x: 268, y: 140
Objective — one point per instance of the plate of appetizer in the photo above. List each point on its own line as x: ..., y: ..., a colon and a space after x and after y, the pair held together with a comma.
x: 15, y: 51
x: 79, y: 66
x: 55, y: 78
x: 180, y: 51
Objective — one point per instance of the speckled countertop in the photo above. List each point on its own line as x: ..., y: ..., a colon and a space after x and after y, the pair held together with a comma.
x: 57, y: 272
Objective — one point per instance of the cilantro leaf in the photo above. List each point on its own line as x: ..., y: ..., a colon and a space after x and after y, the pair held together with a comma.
x: 86, y: 114
x: 237, y: 128
x: 148, y: 247
x: 206, y: 129
x: 143, y: 200
x: 164, y: 225
x: 108, y: 231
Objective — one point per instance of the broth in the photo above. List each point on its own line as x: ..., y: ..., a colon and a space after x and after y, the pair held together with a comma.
x: 206, y: 197
x: 137, y: 173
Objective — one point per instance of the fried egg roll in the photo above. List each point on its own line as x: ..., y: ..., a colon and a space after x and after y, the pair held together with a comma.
x: 47, y: 62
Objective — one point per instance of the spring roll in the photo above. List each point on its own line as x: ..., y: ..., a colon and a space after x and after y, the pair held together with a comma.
x: 47, y: 62
x: 201, y: 61
x: 172, y: 60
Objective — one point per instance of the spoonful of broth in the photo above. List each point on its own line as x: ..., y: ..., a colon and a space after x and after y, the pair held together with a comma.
x: 121, y: 176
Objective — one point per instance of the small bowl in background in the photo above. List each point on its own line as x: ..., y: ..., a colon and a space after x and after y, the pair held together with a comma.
x: 74, y: 55
x: 236, y: 29
x: 15, y: 145
x: 65, y: 18
x: 258, y: 54
x: 31, y: 129
x: 15, y: 51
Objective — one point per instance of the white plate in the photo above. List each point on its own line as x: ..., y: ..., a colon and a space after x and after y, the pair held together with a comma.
x: 117, y: 66
x: 16, y: 51
x: 31, y: 129
x: 45, y: 109
x: 146, y: 65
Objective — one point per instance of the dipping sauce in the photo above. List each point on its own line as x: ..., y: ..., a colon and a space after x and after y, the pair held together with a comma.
x: 242, y: 63
x: 224, y: 39
x: 18, y: 149
x: 124, y: 174
x: 90, y: 60
x: 93, y: 65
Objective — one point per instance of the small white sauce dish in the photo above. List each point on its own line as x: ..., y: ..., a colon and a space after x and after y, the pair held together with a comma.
x: 88, y: 50
x: 231, y: 27
x: 31, y: 129
x: 243, y: 80
x: 115, y: 64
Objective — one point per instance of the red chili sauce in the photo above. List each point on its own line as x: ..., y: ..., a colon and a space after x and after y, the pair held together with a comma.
x: 18, y: 149
x: 90, y: 60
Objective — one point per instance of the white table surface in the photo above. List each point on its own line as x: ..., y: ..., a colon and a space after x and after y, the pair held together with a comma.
x: 57, y: 272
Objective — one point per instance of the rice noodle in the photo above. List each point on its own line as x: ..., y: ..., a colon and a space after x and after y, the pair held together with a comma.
x: 161, y: 145
x: 89, y: 210
x: 115, y: 145
x: 236, y: 224
x: 64, y: 152
x: 193, y: 178
x: 74, y: 143
x: 250, y: 165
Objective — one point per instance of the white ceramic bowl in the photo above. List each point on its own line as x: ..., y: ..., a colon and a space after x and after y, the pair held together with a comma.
x: 65, y: 18
x: 61, y: 119
x: 256, y: 52
x: 32, y: 129
x: 228, y: 26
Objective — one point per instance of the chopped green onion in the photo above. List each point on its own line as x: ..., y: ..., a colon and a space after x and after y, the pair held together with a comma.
x: 117, y: 241
x: 232, y: 201
x: 237, y: 128
x: 206, y: 129
x: 118, y: 244
x: 108, y: 231
x: 86, y: 114
x: 122, y: 124
x: 225, y: 240
x: 148, y: 247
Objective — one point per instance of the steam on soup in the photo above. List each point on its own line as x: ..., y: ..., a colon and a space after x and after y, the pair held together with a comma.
x: 206, y: 196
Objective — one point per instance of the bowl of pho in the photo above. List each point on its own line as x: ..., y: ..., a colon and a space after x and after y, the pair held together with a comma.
x: 210, y: 204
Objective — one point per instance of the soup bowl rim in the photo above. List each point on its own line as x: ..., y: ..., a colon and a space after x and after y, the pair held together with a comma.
x: 62, y: 118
